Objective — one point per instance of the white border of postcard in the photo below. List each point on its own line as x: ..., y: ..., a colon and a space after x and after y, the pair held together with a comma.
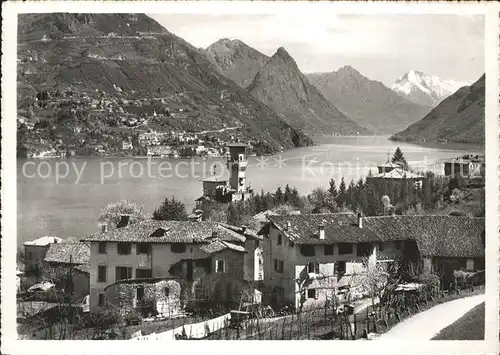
x: 10, y: 344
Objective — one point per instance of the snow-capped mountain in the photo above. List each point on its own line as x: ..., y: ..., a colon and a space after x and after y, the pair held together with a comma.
x: 425, y: 89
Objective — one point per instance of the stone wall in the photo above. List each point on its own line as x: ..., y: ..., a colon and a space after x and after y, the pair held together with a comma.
x: 163, y: 296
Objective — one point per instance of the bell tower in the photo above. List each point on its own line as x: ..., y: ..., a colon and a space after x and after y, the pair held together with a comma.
x: 237, y: 164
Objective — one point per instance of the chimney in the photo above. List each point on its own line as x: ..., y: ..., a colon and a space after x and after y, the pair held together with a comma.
x: 55, y: 240
x: 104, y: 228
x: 215, y: 235
x: 321, y: 232
x: 123, y: 221
x: 360, y: 220
x: 243, y: 229
x: 288, y: 225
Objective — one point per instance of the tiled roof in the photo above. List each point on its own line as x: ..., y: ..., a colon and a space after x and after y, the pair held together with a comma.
x: 339, y: 228
x: 214, y: 179
x: 218, y: 245
x: 152, y: 231
x: 44, y: 241
x: 397, y: 173
x: 247, y: 232
x: 76, y: 253
x: 446, y: 236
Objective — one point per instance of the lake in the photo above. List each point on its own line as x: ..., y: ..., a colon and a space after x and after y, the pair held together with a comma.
x: 63, y: 197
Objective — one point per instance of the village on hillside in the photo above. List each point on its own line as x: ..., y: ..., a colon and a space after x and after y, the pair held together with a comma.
x: 286, y: 272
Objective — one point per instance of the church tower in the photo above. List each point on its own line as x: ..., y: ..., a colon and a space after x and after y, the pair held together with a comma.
x: 237, y: 164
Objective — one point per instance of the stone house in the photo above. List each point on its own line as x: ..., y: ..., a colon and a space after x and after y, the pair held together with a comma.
x: 150, y: 248
x: 218, y: 273
x: 308, y: 254
x: 35, y: 251
x: 69, y: 262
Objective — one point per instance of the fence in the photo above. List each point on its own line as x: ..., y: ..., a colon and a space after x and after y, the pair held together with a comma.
x: 191, y: 331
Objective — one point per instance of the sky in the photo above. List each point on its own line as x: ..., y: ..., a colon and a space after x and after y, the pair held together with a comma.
x: 381, y: 47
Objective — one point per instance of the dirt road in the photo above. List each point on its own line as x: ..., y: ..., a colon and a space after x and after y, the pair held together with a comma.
x: 425, y: 325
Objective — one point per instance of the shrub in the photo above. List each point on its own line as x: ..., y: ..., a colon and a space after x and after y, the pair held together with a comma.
x: 132, y: 318
x: 430, y: 281
x: 461, y: 278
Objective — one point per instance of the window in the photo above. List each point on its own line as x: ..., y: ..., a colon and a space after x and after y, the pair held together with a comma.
x: 279, y: 265
x: 143, y: 273
x: 101, y: 299
x: 311, y: 293
x: 123, y: 273
x: 307, y: 250
x: 220, y: 266
x: 143, y: 248
x: 364, y: 249
x: 178, y: 248
x: 30, y: 255
x: 399, y: 245
x: 167, y: 292
x: 204, y: 263
x: 340, y: 268
x: 381, y: 246
x: 345, y: 248
x: 313, y: 267
x: 329, y: 249
x: 124, y: 248
x: 291, y: 244
x: 101, y: 273
x: 279, y: 239
x: 102, y: 247
x: 140, y: 293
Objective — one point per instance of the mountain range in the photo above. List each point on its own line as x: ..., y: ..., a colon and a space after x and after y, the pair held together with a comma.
x: 425, y: 89
x: 281, y: 85
x: 120, y: 57
x: 370, y: 103
x: 278, y: 82
x: 236, y: 60
x: 458, y: 118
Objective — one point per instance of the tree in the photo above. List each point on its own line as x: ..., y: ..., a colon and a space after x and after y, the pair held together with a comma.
x: 319, y: 198
x: 341, y: 197
x: 279, y: 196
x: 233, y: 215
x: 284, y: 209
x: 398, y: 158
x: 171, y: 210
x: 111, y: 214
x: 332, y: 189
x: 388, y: 207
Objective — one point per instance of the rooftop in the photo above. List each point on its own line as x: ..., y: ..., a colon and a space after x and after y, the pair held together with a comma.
x: 214, y: 178
x: 218, y: 245
x: 75, y: 253
x: 445, y: 236
x: 397, y: 173
x: 152, y: 231
x: 237, y: 145
x: 44, y: 241
x: 389, y: 164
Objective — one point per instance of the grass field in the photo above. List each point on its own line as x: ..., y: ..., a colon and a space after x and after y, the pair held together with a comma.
x: 469, y: 327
